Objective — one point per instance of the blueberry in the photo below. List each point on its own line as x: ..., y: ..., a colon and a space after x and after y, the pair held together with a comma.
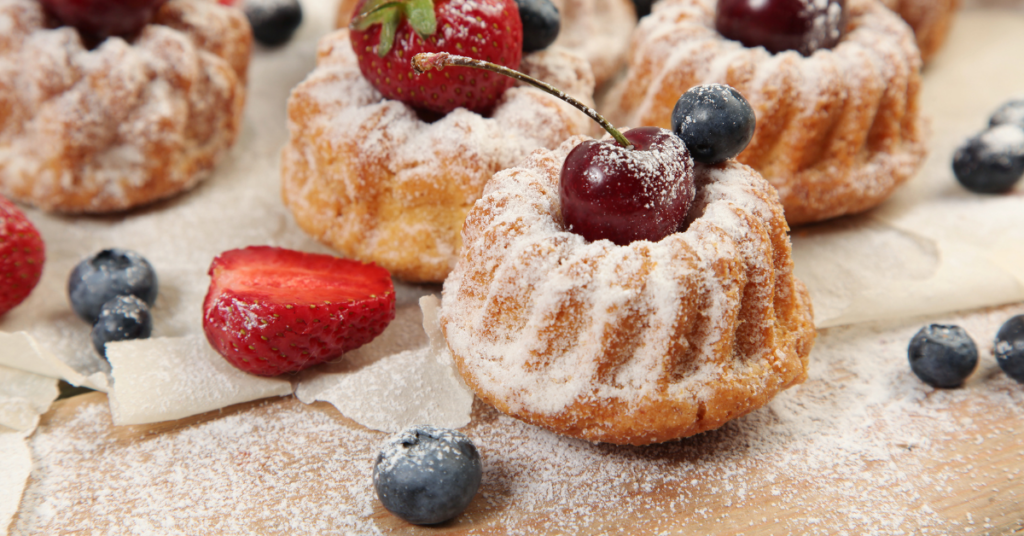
x: 714, y: 121
x: 427, y: 475
x: 942, y: 356
x: 273, y: 21
x: 1011, y: 113
x: 1009, y: 348
x: 540, y: 23
x: 106, y: 275
x: 643, y: 7
x: 992, y: 162
x: 122, y: 318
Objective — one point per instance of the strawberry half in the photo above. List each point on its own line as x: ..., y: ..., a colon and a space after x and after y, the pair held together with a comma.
x: 386, y: 34
x: 272, y: 310
x: 22, y: 254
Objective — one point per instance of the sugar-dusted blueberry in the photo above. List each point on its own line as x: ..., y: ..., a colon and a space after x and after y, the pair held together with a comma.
x: 942, y: 356
x: 121, y: 319
x: 427, y: 475
x: 1009, y: 348
x: 273, y: 21
x: 992, y: 162
x: 714, y: 121
x: 1010, y: 113
x: 106, y: 275
x: 541, y: 23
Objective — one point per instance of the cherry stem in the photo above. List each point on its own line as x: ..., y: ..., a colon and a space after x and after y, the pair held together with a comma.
x: 426, y: 61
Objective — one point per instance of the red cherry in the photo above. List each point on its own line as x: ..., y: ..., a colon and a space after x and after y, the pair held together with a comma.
x: 778, y: 25
x: 624, y: 195
x: 102, y: 18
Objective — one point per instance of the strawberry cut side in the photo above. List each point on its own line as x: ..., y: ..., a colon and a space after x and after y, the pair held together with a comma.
x: 271, y: 310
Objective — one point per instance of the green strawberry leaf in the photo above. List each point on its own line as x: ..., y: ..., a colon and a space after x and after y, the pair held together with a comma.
x: 387, y: 34
x: 421, y: 16
x: 389, y: 13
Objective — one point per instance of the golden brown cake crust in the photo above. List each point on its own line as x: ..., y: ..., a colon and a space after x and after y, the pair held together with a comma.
x: 368, y: 177
x: 627, y: 344
x: 930, y: 20
x: 126, y: 123
x: 836, y: 131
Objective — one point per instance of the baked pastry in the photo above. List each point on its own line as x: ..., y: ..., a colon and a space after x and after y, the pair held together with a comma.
x: 597, y: 30
x: 837, y: 130
x: 630, y: 344
x: 930, y: 20
x: 372, y: 179
x: 123, y: 124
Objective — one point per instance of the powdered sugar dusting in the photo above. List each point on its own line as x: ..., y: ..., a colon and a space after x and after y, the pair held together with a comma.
x: 862, y: 433
x: 401, y: 186
x: 544, y: 324
x: 837, y: 131
x: 125, y: 123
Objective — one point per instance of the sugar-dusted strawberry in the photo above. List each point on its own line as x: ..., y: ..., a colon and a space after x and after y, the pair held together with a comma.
x: 21, y: 256
x: 271, y: 310
x: 386, y: 34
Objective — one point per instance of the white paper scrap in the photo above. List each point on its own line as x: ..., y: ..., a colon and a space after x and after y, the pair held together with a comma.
x: 170, y: 378
x: 15, y: 467
x: 37, y: 391
x: 20, y: 351
x: 411, y: 387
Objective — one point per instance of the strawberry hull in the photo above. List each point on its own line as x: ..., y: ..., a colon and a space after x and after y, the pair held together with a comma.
x: 270, y: 311
x: 487, y: 30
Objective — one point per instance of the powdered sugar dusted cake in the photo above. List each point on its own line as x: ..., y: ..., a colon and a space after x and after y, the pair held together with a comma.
x: 370, y: 178
x: 126, y: 123
x: 837, y: 131
x: 930, y: 19
x: 627, y: 344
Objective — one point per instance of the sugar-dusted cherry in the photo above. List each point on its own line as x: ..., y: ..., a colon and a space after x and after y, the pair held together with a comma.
x: 98, y: 19
x: 636, y: 186
x: 608, y: 191
x: 778, y: 25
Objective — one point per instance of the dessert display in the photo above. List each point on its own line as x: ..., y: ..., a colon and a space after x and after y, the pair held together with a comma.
x: 371, y: 178
x: 837, y: 128
x: 862, y: 431
x: 609, y: 324
x: 597, y: 30
x: 22, y: 254
x: 942, y: 355
x: 92, y: 124
x: 272, y: 310
x: 930, y: 20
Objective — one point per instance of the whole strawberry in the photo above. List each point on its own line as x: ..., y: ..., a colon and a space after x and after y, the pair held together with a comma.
x: 386, y: 34
x: 21, y: 256
x: 271, y: 310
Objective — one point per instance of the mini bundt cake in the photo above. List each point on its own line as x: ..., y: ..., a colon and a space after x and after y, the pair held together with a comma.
x: 630, y: 344
x: 837, y: 130
x: 370, y: 178
x: 930, y: 20
x: 126, y: 123
x: 597, y: 30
